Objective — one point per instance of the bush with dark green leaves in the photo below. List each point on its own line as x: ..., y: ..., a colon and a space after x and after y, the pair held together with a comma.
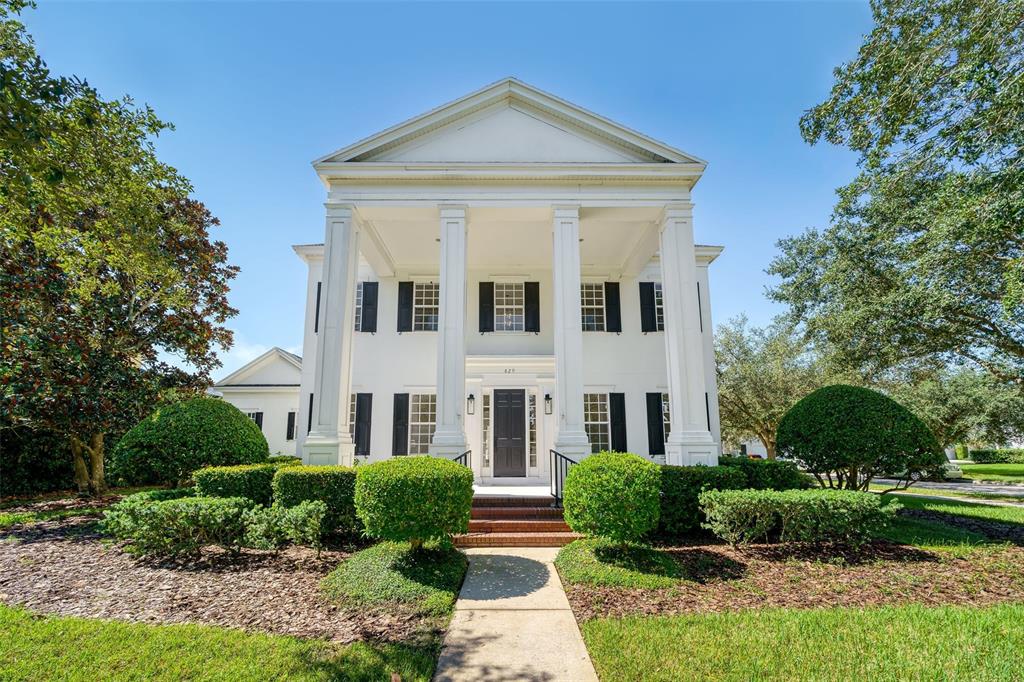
x: 284, y: 460
x: 124, y: 515
x: 613, y: 495
x: 769, y: 474
x: 998, y: 456
x: 848, y: 435
x: 414, y: 499
x: 335, y: 486
x: 680, y: 488
x: 243, y: 480
x: 272, y: 527
x: 179, y: 438
x: 179, y: 527
x: 844, y: 516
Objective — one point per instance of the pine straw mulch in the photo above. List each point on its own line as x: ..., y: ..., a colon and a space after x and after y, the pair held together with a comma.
x: 65, y: 567
x: 719, y: 578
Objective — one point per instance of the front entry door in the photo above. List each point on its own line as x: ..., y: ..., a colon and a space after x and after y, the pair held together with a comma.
x: 509, y: 432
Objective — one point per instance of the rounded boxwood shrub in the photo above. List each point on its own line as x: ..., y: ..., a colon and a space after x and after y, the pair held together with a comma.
x: 847, y: 435
x: 680, y: 487
x: 178, y: 438
x: 251, y: 481
x: 333, y: 485
x: 414, y: 499
x: 613, y: 495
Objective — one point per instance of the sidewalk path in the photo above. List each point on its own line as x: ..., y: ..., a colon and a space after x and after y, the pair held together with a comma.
x: 513, y: 622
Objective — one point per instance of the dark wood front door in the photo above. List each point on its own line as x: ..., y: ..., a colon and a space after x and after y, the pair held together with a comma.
x: 509, y: 432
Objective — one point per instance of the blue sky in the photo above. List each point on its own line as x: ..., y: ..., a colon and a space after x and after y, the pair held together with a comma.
x: 258, y: 90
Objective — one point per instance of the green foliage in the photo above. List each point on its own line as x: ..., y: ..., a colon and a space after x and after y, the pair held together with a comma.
x: 743, y: 516
x: 847, y: 435
x: 414, y: 498
x: 333, y: 485
x: 426, y: 580
x: 768, y: 474
x: 961, y: 451
x: 284, y: 460
x: 613, y: 495
x: 33, y: 461
x: 596, y: 561
x: 272, y: 527
x: 998, y: 456
x: 179, y: 527
x: 680, y: 487
x: 243, y: 480
x: 178, y: 438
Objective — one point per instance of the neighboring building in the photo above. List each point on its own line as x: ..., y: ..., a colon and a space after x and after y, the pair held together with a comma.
x: 508, y: 274
x: 267, y: 390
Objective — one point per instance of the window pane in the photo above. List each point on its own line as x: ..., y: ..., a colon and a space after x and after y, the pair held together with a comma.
x: 532, y: 416
x: 422, y: 408
x: 359, y: 307
x: 486, y: 420
x: 509, y: 307
x: 596, y: 421
x: 592, y: 306
x: 425, y: 306
x: 659, y: 308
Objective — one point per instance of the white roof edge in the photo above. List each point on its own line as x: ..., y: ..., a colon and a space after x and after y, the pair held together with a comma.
x: 291, y: 358
x: 707, y: 253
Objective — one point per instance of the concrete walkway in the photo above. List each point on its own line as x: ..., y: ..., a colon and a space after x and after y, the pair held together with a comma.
x: 513, y: 622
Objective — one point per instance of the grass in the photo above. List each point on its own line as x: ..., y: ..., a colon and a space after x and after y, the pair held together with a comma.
x: 986, y: 512
x: 8, y: 519
x: 893, y: 643
x: 967, y: 495
x: 1011, y: 473
x: 428, y: 581
x: 48, y: 648
x: 600, y: 562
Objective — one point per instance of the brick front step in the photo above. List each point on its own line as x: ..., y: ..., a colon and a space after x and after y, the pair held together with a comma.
x: 515, y: 513
x: 500, y: 501
x: 515, y: 539
x: 518, y: 526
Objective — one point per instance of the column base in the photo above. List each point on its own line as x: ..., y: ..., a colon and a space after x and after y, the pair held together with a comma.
x: 691, y: 448
x: 573, y: 444
x: 450, y: 444
x: 321, y: 450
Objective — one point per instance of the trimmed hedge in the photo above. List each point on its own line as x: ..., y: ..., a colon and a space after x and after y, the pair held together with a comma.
x: 769, y: 474
x: 414, y: 498
x: 613, y: 495
x: 284, y: 460
x: 680, y: 488
x: 179, y: 438
x: 743, y: 516
x: 998, y: 456
x: 252, y: 481
x: 333, y: 485
x: 178, y: 527
x: 272, y: 527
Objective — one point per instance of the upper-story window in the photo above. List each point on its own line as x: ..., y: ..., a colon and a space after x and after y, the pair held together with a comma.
x: 359, y: 307
x: 592, y: 306
x: 509, y: 307
x: 425, y: 306
x: 659, y: 308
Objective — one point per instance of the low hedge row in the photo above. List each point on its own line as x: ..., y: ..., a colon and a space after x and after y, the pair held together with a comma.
x: 743, y: 516
x: 335, y: 486
x: 680, y: 488
x: 998, y: 456
x: 769, y: 474
x: 245, y: 480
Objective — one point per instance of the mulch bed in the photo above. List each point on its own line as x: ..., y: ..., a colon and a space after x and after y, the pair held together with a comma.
x: 723, y: 579
x: 65, y: 567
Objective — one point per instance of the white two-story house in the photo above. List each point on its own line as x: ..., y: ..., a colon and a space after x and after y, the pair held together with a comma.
x: 505, y: 276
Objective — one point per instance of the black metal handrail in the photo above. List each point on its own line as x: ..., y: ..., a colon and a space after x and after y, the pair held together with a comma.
x: 559, y: 468
x: 464, y: 459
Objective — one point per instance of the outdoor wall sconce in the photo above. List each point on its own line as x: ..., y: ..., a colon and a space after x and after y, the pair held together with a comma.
x: 547, y: 403
x: 470, y: 404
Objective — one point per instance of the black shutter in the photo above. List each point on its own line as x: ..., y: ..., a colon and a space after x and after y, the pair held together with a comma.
x: 486, y: 307
x: 368, y: 323
x: 531, y: 306
x: 648, y: 310
x: 405, y: 306
x: 289, y: 432
x: 617, y: 412
x: 364, y: 414
x: 259, y: 420
x: 707, y: 409
x: 655, y: 425
x: 700, y: 309
x: 612, y: 308
x: 400, y: 430
x: 316, y: 315
x: 309, y: 421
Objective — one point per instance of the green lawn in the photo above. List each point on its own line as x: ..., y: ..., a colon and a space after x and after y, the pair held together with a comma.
x: 599, y: 562
x: 906, y: 643
x: 967, y: 495
x: 979, y: 511
x: 34, y: 648
x: 1012, y: 473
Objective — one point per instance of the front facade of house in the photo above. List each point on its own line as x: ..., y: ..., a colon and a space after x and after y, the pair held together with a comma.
x: 507, y: 275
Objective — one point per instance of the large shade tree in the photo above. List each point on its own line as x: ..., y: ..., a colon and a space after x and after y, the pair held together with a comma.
x: 924, y: 256
x: 107, y: 269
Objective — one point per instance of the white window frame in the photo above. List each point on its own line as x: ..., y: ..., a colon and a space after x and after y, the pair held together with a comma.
x: 666, y: 416
x: 531, y: 429
x: 485, y: 428
x: 592, y: 300
x: 295, y: 426
x: 420, y: 430
x: 509, y: 317
x: 352, y: 416
x: 597, y: 421
x: 659, y: 307
x: 426, y: 297
x: 357, y: 316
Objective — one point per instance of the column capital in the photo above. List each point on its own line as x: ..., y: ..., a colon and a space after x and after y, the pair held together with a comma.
x: 682, y: 210
x: 339, y: 209
x: 452, y: 211
x: 563, y: 211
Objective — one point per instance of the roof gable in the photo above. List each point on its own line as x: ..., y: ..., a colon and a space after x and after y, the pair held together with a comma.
x: 276, y: 367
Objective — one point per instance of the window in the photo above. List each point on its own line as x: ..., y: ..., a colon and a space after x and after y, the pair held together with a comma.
x: 352, y: 416
x: 485, y: 419
x: 425, y: 306
x: 289, y: 433
x: 358, y: 316
x: 422, y: 412
x: 531, y: 416
x: 666, y: 415
x: 256, y: 417
x: 592, y: 306
x: 596, y: 421
x: 659, y: 308
x: 509, y: 309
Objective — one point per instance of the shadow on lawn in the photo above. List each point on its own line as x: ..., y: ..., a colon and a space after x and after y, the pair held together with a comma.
x: 702, y: 566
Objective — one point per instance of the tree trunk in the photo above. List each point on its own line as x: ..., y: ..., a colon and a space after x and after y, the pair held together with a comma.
x: 81, y: 470
x: 769, y: 446
x: 90, y: 477
x: 98, y: 479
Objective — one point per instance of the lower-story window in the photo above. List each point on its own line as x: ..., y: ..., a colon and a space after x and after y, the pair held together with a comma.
x: 531, y: 417
x: 596, y: 421
x: 352, y: 415
x: 256, y: 417
x: 666, y: 415
x: 485, y: 420
x: 422, y: 415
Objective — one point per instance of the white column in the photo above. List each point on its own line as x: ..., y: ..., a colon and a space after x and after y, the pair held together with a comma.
x: 329, y: 442
x: 571, y: 438
x: 450, y: 433
x: 689, y: 442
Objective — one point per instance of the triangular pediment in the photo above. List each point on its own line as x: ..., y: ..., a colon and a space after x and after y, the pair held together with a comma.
x: 509, y: 122
x: 276, y: 367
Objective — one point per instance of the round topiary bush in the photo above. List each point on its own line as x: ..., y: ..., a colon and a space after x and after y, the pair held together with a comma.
x: 613, y: 495
x: 847, y: 435
x: 414, y: 499
x: 178, y: 438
